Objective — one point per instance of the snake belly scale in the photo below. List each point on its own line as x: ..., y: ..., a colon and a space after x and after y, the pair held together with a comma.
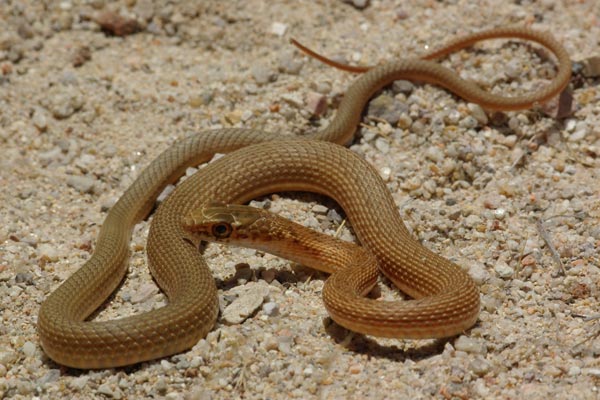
x: 262, y: 163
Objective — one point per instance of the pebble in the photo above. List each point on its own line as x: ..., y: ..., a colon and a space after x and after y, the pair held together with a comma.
x: 40, y: 119
x: 271, y: 309
x: 245, y: 305
x: 478, y: 273
x: 48, y: 157
x: 262, y: 74
x: 143, y: 293
x: 579, y: 134
x: 79, y: 383
x: 591, y: 67
x: 290, y: 63
x: 480, y: 366
x: 24, y: 277
x: 293, y: 99
x: 106, y: 390
x: 64, y: 101
x: 319, y: 209
x: 83, y: 184
x: 470, y: 345
x: 503, y: 270
x: 403, y: 86
x: 382, y: 145
x: 52, y: 375
x: 387, y: 108
x: 278, y: 28
x: 434, y: 154
x: 29, y: 349
x: 316, y: 104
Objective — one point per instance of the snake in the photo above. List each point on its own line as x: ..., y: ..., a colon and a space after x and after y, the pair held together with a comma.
x: 445, y: 299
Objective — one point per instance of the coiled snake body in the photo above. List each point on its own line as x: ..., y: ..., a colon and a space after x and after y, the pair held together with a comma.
x: 448, y: 300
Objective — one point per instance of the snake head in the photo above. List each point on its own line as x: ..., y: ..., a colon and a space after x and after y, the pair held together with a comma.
x: 226, y: 223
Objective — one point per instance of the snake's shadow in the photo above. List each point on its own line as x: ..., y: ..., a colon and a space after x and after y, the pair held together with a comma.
x: 371, y: 347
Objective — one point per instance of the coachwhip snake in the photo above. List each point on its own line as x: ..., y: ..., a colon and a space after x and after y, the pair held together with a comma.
x: 262, y: 163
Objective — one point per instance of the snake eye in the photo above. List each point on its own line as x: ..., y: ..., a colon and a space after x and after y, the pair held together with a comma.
x: 221, y: 230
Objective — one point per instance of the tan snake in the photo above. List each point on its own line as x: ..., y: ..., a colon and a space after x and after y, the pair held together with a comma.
x: 451, y: 300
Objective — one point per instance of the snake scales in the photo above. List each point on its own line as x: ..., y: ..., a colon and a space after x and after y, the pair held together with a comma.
x: 261, y: 163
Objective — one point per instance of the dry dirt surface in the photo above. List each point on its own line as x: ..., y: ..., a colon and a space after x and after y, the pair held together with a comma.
x: 91, y: 91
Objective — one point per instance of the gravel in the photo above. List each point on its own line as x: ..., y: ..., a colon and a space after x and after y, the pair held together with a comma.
x: 86, y: 103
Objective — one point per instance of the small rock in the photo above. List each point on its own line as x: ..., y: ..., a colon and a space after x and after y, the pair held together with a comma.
x: 468, y: 122
x: 385, y: 173
x: 316, y: 103
x: 79, y: 383
x: 472, y: 221
x: 480, y: 366
x: 278, y: 28
x: 382, y: 145
x: 503, y: 270
x: 39, y: 119
x: 319, y: 209
x: 271, y: 309
x: 323, y: 87
x: 290, y: 64
x: 579, y: 134
x: 117, y: 25
x: 469, y: 345
x: 595, y: 372
x: 145, y: 292
x: 29, y: 349
x: 24, y: 277
x: 387, y: 108
x: 355, y: 369
x: 106, y: 390
x: 434, y: 154
x: 285, y: 340
x: 591, y: 67
x: 263, y: 75
x: 83, y: 184
x: 81, y: 55
x: 51, y: 376
x: 166, y: 365
x: 243, y: 307
x: 63, y: 101
x: 403, y: 86
x: 478, y: 273
x: 293, y: 99
x: 268, y: 275
x: 48, y: 157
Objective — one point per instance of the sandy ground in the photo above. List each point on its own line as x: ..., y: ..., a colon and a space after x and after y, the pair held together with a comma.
x: 82, y: 112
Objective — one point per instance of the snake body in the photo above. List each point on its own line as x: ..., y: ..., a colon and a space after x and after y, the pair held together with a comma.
x: 262, y: 163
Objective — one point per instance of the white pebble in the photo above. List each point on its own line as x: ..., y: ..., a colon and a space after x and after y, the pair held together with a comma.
x: 271, y: 309
x: 243, y: 307
x: 83, y: 184
x: 79, y: 383
x: 29, y: 349
x: 278, y: 28
x: 470, y: 345
x: 503, y: 270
